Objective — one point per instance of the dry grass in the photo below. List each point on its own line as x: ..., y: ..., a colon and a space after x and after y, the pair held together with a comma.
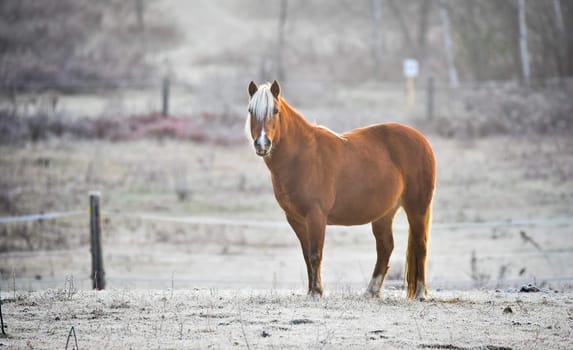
x: 478, y: 180
x: 182, y: 266
x: 202, y: 318
x: 526, y: 178
x: 177, y: 285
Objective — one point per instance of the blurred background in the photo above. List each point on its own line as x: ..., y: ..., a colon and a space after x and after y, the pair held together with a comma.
x: 94, y: 58
x: 145, y: 101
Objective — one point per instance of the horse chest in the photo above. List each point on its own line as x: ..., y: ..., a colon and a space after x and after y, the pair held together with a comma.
x: 298, y: 195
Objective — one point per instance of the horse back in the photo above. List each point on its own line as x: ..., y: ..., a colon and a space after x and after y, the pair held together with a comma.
x: 406, y: 146
x: 407, y: 149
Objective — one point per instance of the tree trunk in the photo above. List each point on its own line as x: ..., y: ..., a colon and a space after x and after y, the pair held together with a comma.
x: 452, y: 72
x: 376, y: 44
x: 139, y: 9
x: 423, y: 29
x: 523, y: 42
x: 561, y: 39
x: 281, y: 40
x: 403, y: 25
x: 559, y: 17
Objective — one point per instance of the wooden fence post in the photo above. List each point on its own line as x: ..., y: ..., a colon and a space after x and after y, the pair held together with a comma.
x: 430, y: 99
x: 1, y: 318
x: 165, y: 97
x: 98, y: 273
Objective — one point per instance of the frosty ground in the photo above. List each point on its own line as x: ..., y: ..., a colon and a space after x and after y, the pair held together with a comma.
x: 249, y: 318
x: 501, y: 219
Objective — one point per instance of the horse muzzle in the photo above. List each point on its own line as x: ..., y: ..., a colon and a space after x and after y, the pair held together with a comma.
x: 263, y: 147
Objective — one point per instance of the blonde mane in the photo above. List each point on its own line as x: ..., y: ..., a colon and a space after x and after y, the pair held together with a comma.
x: 262, y: 103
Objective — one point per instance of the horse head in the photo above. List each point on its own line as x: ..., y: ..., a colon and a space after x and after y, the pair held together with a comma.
x: 262, y: 121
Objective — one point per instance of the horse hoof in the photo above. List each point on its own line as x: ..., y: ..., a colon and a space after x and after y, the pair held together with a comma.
x: 314, y: 295
x: 369, y: 294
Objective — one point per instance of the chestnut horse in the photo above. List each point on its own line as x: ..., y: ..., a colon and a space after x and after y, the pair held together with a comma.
x: 363, y: 176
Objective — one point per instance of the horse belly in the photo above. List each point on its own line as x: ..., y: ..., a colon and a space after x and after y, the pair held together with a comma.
x: 366, y: 198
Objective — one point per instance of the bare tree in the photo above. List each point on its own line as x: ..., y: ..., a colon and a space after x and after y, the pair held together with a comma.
x: 281, y: 39
x: 376, y: 34
x: 139, y: 10
x: 70, y: 45
x: 423, y: 14
x: 562, y: 35
x: 452, y: 71
x: 523, y: 42
x: 403, y: 23
x: 559, y: 16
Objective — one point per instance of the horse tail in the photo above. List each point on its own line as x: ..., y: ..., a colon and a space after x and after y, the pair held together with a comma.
x: 417, y: 241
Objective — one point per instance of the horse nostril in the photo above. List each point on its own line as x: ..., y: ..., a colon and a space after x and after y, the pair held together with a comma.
x: 262, y: 144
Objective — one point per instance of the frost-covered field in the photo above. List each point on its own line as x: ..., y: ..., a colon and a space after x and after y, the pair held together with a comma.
x: 179, y: 285
x: 249, y: 318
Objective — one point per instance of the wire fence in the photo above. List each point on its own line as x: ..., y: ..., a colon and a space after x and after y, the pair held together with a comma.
x: 349, y: 104
x: 378, y: 100
x: 261, y: 228
x: 207, y: 220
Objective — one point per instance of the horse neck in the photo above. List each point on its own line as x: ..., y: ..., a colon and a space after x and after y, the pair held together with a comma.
x: 295, y: 136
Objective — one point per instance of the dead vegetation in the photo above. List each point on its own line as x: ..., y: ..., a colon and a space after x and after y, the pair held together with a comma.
x: 506, y: 108
x: 262, y: 319
x: 229, y: 182
x: 69, y: 45
x: 503, y: 149
x: 15, y: 129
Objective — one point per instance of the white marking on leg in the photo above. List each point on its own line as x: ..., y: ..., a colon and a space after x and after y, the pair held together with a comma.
x: 420, y: 291
x: 314, y: 295
x: 374, y: 286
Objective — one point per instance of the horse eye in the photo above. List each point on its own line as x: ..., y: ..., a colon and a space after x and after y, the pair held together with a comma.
x: 275, y: 111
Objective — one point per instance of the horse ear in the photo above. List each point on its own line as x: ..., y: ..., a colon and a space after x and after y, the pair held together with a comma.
x: 252, y: 88
x: 276, y: 89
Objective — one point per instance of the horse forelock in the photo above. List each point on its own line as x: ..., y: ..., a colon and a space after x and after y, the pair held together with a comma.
x: 262, y: 103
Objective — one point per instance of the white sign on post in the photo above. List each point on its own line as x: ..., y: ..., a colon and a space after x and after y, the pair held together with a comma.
x: 410, y: 67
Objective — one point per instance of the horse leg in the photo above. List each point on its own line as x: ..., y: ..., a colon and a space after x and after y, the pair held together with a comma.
x: 416, y: 252
x: 316, y: 225
x: 382, y: 229
x: 301, y: 233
